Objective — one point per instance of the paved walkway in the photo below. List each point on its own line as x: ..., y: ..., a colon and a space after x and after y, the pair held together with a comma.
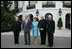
x: 58, y: 33
x: 62, y: 39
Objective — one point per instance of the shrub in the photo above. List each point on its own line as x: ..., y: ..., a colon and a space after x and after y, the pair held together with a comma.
x: 60, y: 24
x: 7, y: 20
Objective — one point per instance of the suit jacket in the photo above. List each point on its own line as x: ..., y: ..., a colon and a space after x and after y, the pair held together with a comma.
x: 50, y: 26
x: 27, y: 26
x: 42, y: 24
x: 16, y: 27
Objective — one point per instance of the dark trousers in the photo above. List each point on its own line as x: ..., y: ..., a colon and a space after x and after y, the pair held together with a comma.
x: 50, y: 39
x: 27, y: 37
x: 43, y: 36
x: 16, y: 37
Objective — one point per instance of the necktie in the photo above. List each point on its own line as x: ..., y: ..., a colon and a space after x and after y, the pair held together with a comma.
x: 26, y: 22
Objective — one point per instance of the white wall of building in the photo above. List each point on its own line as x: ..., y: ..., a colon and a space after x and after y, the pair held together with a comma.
x: 20, y: 4
x: 53, y: 11
x: 39, y: 5
x: 12, y: 6
x: 43, y: 11
x: 59, y: 4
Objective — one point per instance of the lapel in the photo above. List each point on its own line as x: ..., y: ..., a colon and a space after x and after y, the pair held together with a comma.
x: 24, y: 22
x: 27, y: 22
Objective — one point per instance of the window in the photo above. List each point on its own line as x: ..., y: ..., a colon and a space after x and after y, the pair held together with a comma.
x: 31, y: 4
x: 67, y: 4
x: 48, y: 4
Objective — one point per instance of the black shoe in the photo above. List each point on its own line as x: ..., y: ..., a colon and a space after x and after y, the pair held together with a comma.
x: 51, y: 46
x: 41, y: 44
x: 48, y: 45
x: 25, y: 43
x: 16, y: 43
x: 28, y: 44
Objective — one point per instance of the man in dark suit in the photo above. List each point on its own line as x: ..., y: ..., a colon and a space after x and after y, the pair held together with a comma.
x: 16, y: 30
x: 27, y: 29
x: 50, y: 30
x: 42, y: 28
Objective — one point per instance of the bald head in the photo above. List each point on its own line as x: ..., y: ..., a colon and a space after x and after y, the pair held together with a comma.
x: 50, y: 17
x: 42, y: 17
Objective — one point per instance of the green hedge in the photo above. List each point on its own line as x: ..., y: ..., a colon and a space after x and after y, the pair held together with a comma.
x: 7, y: 20
x: 16, y: 10
x: 60, y: 23
x: 68, y: 6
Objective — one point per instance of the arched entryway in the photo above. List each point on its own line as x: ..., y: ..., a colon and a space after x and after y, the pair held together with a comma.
x: 67, y: 21
x: 46, y: 15
x: 31, y: 17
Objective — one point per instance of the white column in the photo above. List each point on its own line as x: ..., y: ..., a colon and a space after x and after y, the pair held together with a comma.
x: 12, y: 6
x: 63, y: 20
x: 20, y: 4
x: 70, y: 20
x: 39, y: 5
x: 24, y: 8
x: 59, y: 4
x: 25, y: 3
